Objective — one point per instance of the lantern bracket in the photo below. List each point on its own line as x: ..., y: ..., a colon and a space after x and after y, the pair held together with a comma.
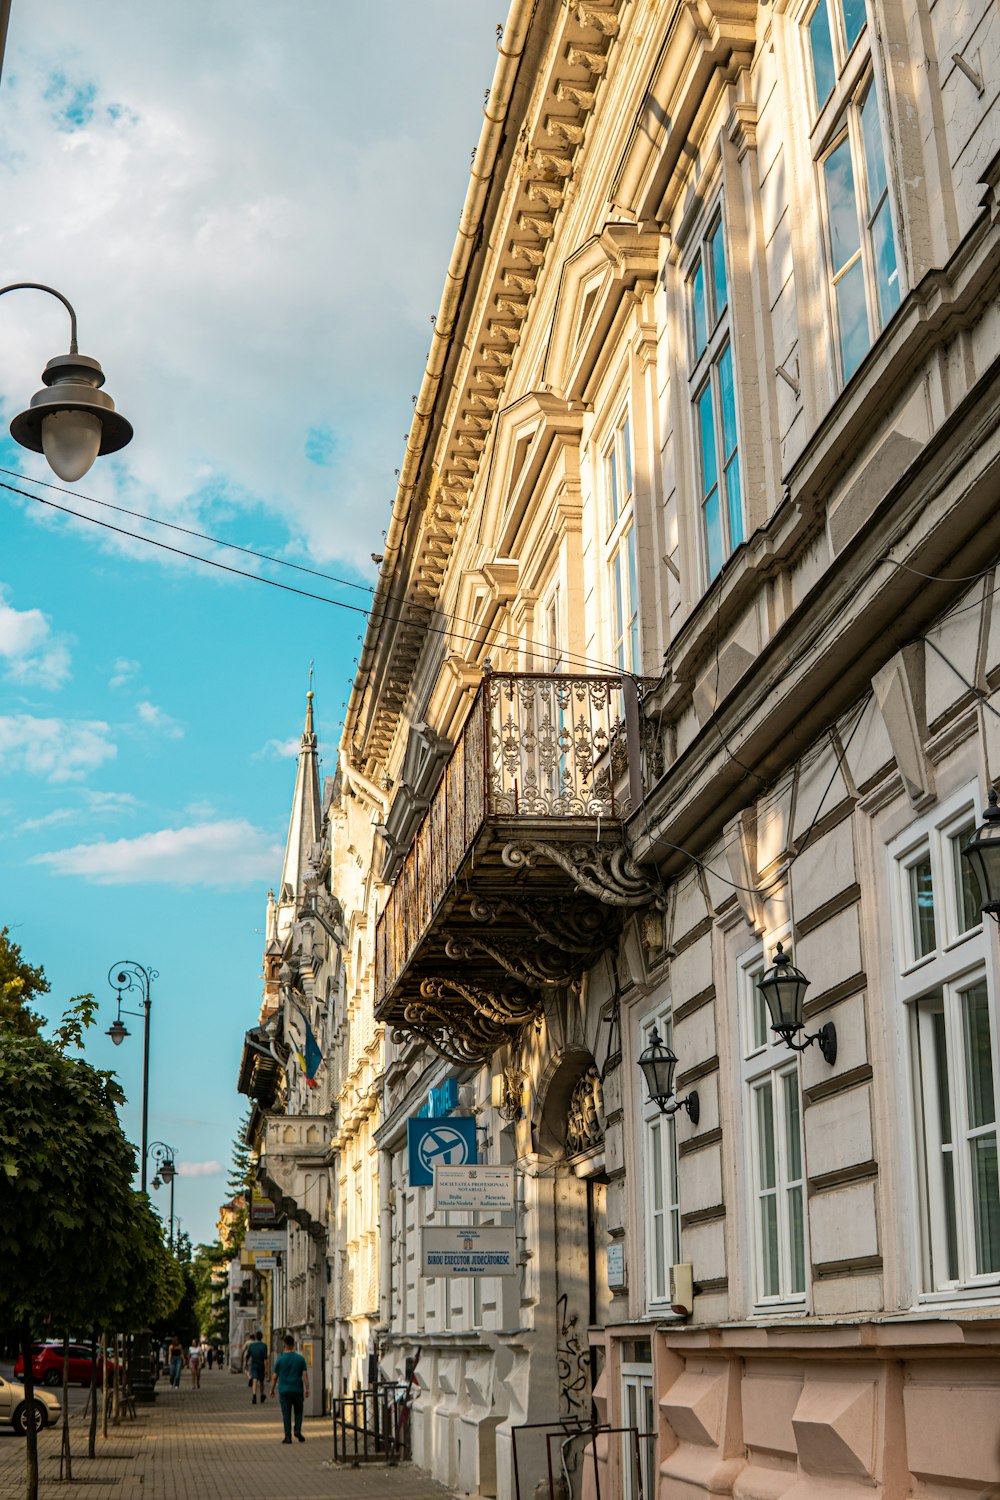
x: 826, y: 1036
x: 672, y: 1104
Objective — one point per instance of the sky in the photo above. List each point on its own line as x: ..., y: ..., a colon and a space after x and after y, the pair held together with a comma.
x: 251, y: 205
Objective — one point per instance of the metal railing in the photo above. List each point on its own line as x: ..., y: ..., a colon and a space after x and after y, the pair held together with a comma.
x: 372, y: 1425
x: 535, y: 746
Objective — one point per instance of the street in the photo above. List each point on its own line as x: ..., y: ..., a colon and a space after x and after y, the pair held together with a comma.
x: 206, y: 1443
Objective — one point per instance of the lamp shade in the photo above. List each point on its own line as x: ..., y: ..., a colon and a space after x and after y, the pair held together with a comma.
x: 784, y: 989
x: 71, y: 419
x: 167, y: 1170
x: 983, y: 855
x: 658, y: 1064
x: 118, y: 1031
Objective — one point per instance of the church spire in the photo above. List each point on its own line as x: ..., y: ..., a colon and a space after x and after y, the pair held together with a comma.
x: 305, y: 824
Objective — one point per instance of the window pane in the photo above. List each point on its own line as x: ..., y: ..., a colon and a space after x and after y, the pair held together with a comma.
x: 758, y: 1010
x: 941, y: 1076
x: 769, y: 1246
x: 717, y: 251
x: 706, y: 432
x: 619, y: 609
x: 978, y: 1057
x: 735, y: 504
x: 821, y: 46
x: 922, y: 908
x: 950, y: 1219
x: 727, y: 401
x: 656, y: 1165
x: 845, y: 236
x: 796, y: 1240
x: 699, y: 313
x: 886, y: 270
x: 966, y: 885
x: 871, y: 131
x: 613, y: 485
x: 660, y: 1270
x: 852, y: 314
x: 765, y: 1136
x: 986, y: 1203
x: 854, y: 20
x: 713, y: 536
x: 627, y: 456
x: 793, y: 1130
x: 633, y: 595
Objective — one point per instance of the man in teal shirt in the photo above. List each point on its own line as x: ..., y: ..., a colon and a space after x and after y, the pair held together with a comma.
x: 291, y: 1376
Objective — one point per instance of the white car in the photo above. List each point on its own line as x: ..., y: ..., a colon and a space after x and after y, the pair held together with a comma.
x: 14, y: 1408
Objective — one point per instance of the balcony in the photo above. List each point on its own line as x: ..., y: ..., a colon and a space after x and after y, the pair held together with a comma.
x: 517, y: 877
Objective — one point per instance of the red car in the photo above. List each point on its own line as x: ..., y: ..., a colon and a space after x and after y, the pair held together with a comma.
x: 47, y: 1364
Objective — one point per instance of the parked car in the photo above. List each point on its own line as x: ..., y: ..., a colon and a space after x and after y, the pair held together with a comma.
x: 14, y: 1408
x: 47, y: 1364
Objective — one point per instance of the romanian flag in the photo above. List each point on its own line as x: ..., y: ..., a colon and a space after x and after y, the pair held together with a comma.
x: 311, y: 1060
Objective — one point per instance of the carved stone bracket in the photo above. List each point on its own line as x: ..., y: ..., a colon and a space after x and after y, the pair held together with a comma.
x: 585, y: 1115
x: 607, y: 872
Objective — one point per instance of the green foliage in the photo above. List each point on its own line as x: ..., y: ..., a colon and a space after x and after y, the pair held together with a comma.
x: 242, y: 1168
x: 75, y: 1021
x: 20, y: 984
x: 208, y: 1266
x: 67, y: 1209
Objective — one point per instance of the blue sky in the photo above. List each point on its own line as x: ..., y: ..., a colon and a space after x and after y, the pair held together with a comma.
x: 251, y: 207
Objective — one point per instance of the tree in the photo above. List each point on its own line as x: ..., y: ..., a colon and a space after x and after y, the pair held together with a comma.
x: 66, y: 1185
x: 20, y: 984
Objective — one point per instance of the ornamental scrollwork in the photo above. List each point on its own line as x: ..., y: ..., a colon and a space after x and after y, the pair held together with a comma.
x: 510, y: 1007
x: 585, y: 1115
x: 532, y: 966
x: 459, y: 1037
x: 607, y: 872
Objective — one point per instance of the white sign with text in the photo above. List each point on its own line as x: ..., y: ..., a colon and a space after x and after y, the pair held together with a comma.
x: 485, y: 1189
x: 467, y: 1250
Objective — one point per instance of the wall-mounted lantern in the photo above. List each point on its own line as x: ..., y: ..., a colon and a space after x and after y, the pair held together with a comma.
x: 784, y: 989
x: 658, y: 1064
x: 983, y: 854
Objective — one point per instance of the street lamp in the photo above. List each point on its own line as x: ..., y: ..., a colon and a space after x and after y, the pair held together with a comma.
x: 128, y: 975
x: 71, y: 420
x: 658, y: 1063
x: 784, y: 989
x: 982, y: 853
x: 166, y: 1170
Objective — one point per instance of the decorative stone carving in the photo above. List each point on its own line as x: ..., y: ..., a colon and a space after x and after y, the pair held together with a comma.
x: 585, y: 1115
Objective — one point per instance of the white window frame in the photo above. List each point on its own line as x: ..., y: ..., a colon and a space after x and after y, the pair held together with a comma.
x: 770, y: 1062
x: 957, y: 963
x: 835, y: 118
x: 617, y: 469
x: 638, y: 1379
x: 704, y: 372
x: 668, y: 1232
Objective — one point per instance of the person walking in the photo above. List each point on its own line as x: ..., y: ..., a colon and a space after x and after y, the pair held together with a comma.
x: 194, y: 1362
x: 256, y: 1364
x: 291, y: 1376
x: 176, y: 1358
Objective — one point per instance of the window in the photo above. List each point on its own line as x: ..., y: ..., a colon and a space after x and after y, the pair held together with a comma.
x: 624, y: 593
x: 639, y: 1414
x: 663, y: 1214
x: 714, y: 400
x: 860, y: 238
x: 946, y: 988
x: 774, y: 1150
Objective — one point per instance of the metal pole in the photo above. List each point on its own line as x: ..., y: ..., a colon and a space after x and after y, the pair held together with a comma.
x: 172, y: 1215
x: 146, y: 1004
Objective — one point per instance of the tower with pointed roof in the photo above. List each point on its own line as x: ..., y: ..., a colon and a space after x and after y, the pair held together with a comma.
x: 304, y: 828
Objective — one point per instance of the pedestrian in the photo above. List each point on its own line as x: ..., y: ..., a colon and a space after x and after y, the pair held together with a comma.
x: 256, y: 1365
x: 209, y: 1355
x: 176, y: 1358
x: 291, y: 1376
x: 194, y: 1362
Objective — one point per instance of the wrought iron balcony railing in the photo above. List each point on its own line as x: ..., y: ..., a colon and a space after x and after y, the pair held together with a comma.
x: 557, y: 753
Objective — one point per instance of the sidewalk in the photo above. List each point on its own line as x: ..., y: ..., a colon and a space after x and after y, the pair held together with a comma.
x: 209, y: 1444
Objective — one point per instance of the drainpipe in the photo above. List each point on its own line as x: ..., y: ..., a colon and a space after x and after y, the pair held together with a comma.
x: 385, y: 1238
x: 510, y: 47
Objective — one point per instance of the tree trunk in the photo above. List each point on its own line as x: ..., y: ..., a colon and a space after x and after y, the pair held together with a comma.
x: 31, y: 1447
x: 92, y: 1432
x: 65, y: 1453
x: 117, y: 1412
x: 105, y: 1393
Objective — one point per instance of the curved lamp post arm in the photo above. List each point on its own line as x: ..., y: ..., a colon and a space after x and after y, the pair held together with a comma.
x: 124, y: 976
x: 38, y: 286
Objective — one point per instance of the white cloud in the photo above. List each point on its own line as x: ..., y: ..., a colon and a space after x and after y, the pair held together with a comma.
x: 199, y: 1168
x: 57, y: 749
x: 230, y: 853
x: 200, y: 810
x: 95, y: 804
x: 155, y: 718
x: 31, y: 654
x: 279, y: 750
x: 123, y: 671
x: 212, y: 193
x: 53, y: 819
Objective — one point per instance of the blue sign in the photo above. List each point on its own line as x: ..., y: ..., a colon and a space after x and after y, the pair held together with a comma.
x: 452, y: 1143
x: 441, y: 1101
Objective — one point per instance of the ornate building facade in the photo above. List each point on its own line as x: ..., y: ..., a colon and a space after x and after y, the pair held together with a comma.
x: 692, y: 651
